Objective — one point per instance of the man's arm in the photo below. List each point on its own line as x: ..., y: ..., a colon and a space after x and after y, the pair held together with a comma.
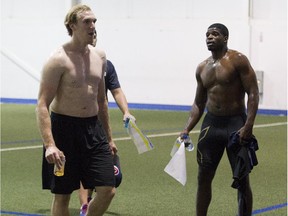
x: 249, y: 82
x: 198, y: 105
x: 50, y: 79
x: 103, y: 110
x: 121, y: 101
x: 113, y: 84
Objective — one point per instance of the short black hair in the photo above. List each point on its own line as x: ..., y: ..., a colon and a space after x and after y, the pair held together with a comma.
x: 223, y: 29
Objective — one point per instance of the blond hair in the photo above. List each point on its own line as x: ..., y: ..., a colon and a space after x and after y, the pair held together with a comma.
x: 72, y: 16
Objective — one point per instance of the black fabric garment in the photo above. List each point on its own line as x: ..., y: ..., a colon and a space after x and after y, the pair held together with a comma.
x: 111, y: 77
x: 246, y: 157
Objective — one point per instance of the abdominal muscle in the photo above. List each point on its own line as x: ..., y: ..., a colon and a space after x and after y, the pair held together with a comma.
x: 77, y: 102
x: 225, y: 103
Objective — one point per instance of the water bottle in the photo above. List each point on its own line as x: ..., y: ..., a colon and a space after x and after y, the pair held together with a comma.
x: 188, y: 142
x: 126, y: 123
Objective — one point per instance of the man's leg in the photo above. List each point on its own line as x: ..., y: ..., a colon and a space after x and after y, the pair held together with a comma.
x: 204, y: 191
x: 245, y: 198
x: 100, y: 203
x: 83, y: 195
x: 60, y: 205
x: 90, y: 193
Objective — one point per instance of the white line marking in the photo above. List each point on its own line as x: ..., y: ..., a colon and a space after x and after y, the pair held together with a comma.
x: 150, y: 136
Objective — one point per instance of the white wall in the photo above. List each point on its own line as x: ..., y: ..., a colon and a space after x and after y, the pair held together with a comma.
x: 155, y: 45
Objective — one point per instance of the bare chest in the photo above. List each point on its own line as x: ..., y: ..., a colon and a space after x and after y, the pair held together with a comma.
x: 218, y: 74
x: 82, y: 71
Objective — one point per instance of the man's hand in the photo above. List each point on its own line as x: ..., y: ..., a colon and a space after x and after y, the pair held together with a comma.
x: 245, y: 135
x: 128, y: 116
x: 54, y: 156
x: 184, y: 134
x: 113, y: 148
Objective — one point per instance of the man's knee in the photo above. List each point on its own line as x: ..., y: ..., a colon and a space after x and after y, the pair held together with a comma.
x: 111, y: 192
x: 205, y: 176
x: 106, y: 192
x: 61, y: 200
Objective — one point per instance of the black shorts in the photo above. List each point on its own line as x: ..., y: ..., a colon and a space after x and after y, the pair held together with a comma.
x: 214, y: 137
x: 87, y: 152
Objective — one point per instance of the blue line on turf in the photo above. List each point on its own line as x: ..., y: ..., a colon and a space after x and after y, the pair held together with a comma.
x: 270, y: 208
x: 255, y: 212
x: 19, y: 213
x: 167, y: 107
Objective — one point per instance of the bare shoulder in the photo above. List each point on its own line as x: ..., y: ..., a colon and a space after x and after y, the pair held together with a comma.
x: 58, y: 58
x: 237, y: 57
x: 56, y: 64
x: 99, y: 52
x: 202, y: 65
x: 240, y: 62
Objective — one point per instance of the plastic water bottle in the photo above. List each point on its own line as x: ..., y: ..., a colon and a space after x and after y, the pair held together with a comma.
x: 126, y: 123
x: 188, y: 142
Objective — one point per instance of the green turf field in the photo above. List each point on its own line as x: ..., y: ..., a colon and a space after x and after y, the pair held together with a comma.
x: 146, y: 190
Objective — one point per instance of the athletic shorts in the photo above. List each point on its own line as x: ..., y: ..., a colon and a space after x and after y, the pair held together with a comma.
x: 87, y: 152
x: 214, y: 137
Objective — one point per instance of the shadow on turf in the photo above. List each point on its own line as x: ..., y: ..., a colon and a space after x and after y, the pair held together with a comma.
x: 112, y: 213
x: 43, y: 211
x: 75, y: 212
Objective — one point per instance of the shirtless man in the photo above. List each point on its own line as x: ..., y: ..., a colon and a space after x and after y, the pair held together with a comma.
x: 71, y: 105
x: 223, y: 79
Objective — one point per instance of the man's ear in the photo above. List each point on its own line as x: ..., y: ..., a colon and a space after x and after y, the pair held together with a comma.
x: 226, y: 39
x: 72, y: 25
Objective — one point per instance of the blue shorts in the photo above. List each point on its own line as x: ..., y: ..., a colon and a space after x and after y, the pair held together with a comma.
x: 87, y: 152
x: 214, y: 138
